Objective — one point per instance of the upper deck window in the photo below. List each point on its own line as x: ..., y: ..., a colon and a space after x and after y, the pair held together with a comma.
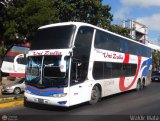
x: 59, y: 37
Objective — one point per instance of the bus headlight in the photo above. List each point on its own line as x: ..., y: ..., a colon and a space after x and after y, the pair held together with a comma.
x: 59, y: 95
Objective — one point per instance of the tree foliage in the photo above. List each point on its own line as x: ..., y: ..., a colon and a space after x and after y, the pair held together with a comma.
x: 120, y: 30
x: 21, y: 18
x: 89, y: 11
x: 155, y: 59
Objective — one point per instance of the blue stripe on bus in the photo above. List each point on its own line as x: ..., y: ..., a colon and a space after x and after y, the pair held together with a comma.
x: 146, y: 65
x: 45, y: 92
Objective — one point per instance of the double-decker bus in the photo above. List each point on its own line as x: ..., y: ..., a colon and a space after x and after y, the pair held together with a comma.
x: 73, y: 62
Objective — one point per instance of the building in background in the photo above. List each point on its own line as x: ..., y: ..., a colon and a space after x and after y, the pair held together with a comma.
x: 138, y: 31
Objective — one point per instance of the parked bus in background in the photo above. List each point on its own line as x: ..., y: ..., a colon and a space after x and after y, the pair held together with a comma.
x: 14, y: 61
x: 71, y: 63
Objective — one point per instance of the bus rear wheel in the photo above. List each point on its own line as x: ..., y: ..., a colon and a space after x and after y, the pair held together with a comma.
x: 143, y: 84
x: 95, y: 95
x: 140, y: 85
x: 138, y: 88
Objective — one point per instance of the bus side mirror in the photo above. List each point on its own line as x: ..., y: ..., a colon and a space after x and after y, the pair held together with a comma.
x: 63, y: 65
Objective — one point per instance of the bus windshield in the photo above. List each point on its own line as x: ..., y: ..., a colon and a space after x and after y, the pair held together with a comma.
x: 54, y: 38
x: 46, y: 71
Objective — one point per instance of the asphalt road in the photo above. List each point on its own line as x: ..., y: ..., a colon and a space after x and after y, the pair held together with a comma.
x: 143, y: 104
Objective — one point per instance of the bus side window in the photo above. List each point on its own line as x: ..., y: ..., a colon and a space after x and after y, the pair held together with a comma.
x: 98, y: 72
x: 83, y: 43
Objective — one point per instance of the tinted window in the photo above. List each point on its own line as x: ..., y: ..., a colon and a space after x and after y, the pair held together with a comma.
x: 81, y: 54
x: 127, y: 70
x: 132, y: 48
x: 53, y: 38
x: 79, y: 72
x: 107, y: 41
x: 98, y: 70
x: 117, y: 70
x: 133, y: 69
x: 83, y: 43
x: 106, y: 70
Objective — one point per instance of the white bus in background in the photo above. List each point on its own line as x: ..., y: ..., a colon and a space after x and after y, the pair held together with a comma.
x: 73, y: 62
x: 14, y: 61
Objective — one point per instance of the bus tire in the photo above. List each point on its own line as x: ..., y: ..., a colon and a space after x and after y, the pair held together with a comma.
x: 143, y: 84
x: 26, y: 103
x: 95, y: 95
x: 138, y: 88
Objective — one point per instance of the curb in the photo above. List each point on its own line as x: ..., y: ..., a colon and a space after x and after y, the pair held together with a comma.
x: 11, y: 104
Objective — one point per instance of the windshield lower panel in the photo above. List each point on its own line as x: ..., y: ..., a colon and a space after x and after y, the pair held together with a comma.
x: 45, y: 71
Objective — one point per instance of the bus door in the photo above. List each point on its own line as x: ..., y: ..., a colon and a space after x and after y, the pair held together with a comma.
x: 79, y: 91
x: 79, y: 65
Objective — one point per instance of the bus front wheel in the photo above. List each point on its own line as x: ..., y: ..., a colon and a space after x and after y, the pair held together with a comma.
x: 95, y: 95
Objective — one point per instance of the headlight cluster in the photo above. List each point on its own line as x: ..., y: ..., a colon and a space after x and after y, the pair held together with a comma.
x: 59, y: 95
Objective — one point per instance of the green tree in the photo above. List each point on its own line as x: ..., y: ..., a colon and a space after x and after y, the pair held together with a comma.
x: 2, y: 16
x: 120, y: 30
x: 89, y: 11
x: 2, y: 51
x: 156, y: 60
x: 21, y: 18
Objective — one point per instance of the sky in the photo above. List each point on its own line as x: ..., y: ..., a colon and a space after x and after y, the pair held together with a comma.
x: 146, y: 12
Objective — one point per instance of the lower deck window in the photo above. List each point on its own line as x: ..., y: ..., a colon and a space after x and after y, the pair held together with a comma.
x: 106, y: 70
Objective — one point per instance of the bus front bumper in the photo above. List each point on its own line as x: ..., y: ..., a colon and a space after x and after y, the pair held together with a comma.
x: 48, y: 100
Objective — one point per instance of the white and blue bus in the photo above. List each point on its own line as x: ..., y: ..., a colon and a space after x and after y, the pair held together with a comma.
x: 73, y: 62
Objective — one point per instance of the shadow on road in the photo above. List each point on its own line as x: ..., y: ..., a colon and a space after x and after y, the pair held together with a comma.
x: 64, y: 109
x: 52, y: 108
x: 6, y: 95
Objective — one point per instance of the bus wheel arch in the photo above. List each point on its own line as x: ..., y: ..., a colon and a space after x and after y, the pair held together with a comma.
x: 95, y: 94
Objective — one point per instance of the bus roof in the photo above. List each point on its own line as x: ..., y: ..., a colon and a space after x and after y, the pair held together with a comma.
x: 78, y: 24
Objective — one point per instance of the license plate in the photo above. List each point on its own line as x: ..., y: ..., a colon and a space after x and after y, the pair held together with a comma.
x: 40, y: 101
